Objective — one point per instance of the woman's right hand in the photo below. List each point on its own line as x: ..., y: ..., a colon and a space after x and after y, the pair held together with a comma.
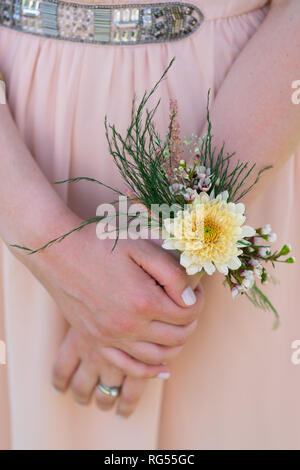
x: 113, y: 300
x: 136, y: 305
x: 78, y: 368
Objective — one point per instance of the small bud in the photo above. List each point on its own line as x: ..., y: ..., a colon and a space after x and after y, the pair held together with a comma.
x: 285, y: 250
x: 266, y: 229
x: 247, y: 283
x: 272, y: 237
x: 190, y: 195
x: 253, y: 262
x: 265, y: 278
x: 258, y: 270
x: 290, y: 260
x: 264, y: 252
x: 247, y: 273
x: 235, y: 291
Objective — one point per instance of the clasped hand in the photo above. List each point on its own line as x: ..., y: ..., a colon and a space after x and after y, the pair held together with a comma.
x: 130, y: 311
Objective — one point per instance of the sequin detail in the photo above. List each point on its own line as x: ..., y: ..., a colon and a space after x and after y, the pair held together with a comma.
x: 102, y: 24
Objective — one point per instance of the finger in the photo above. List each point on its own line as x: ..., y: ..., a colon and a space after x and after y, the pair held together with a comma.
x: 133, y: 367
x: 149, y: 353
x: 84, y: 382
x: 65, y: 365
x: 110, y: 376
x: 168, y: 272
x: 170, y: 335
x: 132, y: 391
x: 170, y: 313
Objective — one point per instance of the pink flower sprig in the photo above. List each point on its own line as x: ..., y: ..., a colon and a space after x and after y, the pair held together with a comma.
x: 175, y: 146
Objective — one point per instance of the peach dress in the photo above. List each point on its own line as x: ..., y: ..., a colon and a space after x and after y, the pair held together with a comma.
x: 234, y: 385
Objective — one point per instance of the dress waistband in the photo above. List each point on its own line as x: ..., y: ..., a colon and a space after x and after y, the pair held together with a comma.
x: 117, y: 24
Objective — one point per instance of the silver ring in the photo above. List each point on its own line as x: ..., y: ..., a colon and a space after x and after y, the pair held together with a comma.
x: 109, y: 391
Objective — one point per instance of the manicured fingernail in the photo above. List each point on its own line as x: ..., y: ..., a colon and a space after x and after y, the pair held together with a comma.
x: 120, y: 416
x: 163, y: 375
x: 188, y: 296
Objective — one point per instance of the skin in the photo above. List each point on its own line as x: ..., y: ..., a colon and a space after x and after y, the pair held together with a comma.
x: 256, y: 94
x: 126, y: 305
x: 272, y: 52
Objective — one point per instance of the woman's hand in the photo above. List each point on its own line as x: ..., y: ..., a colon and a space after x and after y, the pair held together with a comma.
x: 135, y: 306
x: 78, y: 367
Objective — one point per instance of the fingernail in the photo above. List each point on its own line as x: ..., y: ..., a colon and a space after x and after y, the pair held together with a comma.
x: 57, y: 392
x: 188, y: 296
x: 163, y: 375
x: 120, y: 416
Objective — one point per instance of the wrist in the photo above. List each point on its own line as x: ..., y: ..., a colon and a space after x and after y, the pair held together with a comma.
x: 42, y: 220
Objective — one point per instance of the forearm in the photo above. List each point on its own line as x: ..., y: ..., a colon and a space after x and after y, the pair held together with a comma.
x: 253, y: 112
x: 30, y: 210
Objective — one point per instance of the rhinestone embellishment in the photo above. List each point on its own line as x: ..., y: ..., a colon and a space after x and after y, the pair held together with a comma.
x: 102, y: 24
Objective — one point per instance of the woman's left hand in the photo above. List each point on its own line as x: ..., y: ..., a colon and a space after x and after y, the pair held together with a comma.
x: 78, y: 367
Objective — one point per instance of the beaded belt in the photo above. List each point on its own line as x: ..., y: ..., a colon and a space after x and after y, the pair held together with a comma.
x: 102, y: 24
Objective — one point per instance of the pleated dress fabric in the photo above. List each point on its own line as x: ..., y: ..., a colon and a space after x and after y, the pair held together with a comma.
x: 234, y: 385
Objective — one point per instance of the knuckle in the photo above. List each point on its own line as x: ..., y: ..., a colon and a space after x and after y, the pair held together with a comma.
x: 175, y: 277
x: 94, y: 359
x: 153, y: 356
x: 78, y: 391
x: 103, y: 401
x: 191, y: 316
x: 142, y: 371
x: 153, y: 359
x: 142, y: 303
x: 179, y: 339
x: 124, y: 324
x: 103, y: 331
x: 59, y: 374
x: 178, y: 273
x: 130, y: 399
x: 157, y: 356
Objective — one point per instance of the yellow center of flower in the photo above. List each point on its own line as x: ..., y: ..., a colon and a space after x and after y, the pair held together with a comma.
x: 212, y: 230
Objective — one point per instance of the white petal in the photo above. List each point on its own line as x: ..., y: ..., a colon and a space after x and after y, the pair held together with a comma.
x: 234, y: 263
x: 222, y: 268
x: 209, y: 268
x: 240, y: 208
x: 185, y: 260
x: 204, y: 197
x: 231, y: 206
x: 169, y: 225
x: 168, y: 244
x: 193, y: 269
x: 225, y: 195
x: 248, y: 231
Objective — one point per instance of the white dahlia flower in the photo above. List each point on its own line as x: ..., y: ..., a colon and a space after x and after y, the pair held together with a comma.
x: 207, y: 233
